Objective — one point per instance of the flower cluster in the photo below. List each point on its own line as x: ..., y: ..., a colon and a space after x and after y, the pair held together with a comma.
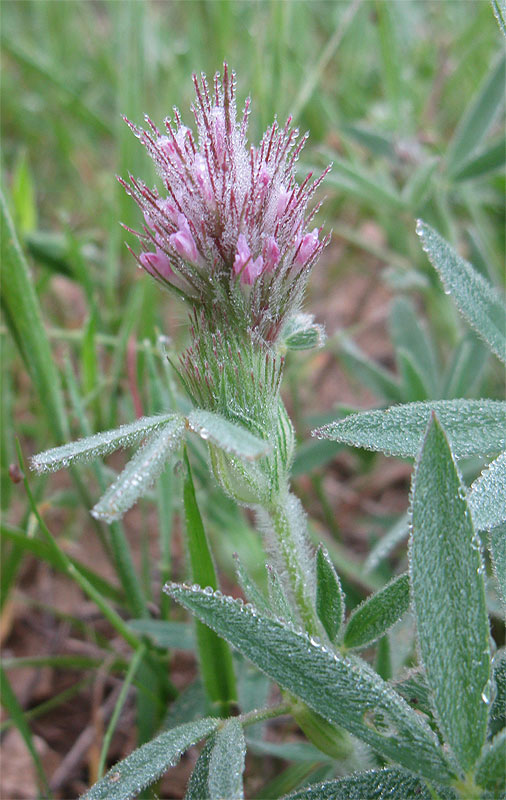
x: 232, y: 231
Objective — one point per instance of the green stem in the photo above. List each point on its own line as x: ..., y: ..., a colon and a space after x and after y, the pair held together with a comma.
x: 289, y: 527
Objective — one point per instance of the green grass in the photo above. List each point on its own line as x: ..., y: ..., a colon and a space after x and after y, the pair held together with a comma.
x: 402, y: 96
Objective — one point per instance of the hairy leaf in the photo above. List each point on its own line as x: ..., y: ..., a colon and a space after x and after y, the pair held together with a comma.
x: 198, y: 785
x: 487, y: 496
x: 343, y: 689
x: 491, y: 770
x: 100, y: 444
x: 140, y: 472
x: 229, y: 436
x: 381, y: 784
x: 378, y: 613
x: 448, y: 592
x: 474, y: 296
x: 497, y: 544
x: 226, y: 764
x: 330, y: 603
x: 126, y: 779
x: 473, y: 427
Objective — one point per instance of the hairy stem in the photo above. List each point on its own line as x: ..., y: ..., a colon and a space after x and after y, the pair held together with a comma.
x: 289, y: 527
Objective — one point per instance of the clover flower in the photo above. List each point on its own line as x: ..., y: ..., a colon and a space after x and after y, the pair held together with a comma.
x: 231, y: 234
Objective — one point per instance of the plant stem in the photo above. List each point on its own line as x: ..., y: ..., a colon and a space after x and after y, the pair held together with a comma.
x: 289, y: 527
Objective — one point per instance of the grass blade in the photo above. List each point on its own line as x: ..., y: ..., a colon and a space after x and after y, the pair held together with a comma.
x: 25, y: 323
x: 11, y: 704
x: 214, y: 654
x: 448, y: 592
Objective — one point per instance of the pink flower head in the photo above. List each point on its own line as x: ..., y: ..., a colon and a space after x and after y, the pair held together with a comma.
x: 183, y: 242
x: 306, y: 247
x: 157, y: 264
x: 244, y: 265
x: 217, y: 185
x: 272, y: 254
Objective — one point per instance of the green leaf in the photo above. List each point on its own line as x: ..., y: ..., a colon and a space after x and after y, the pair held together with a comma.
x: 394, y: 784
x: 142, y: 768
x: 378, y: 613
x: 11, y: 704
x: 478, y: 117
x: 489, y: 160
x: 23, y: 317
x: 409, y: 335
x: 279, y: 603
x: 413, y: 687
x: 465, y: 370
x: 379, y: 380
x: 100, y: 444
x: 141, y: 471
x: 330, y: 603
x: 473, y: 427
x: 165, y: 633
x: 387, y: 543
x: 499, y: 9
x: 491, y: 769
x: 448, y: 591
x: 487, y: 496
x: 302, y: 333
x: 249, y: 587
x: 372, y: 710
x: 474, y: 296
x: 229, y: 436
x: 215, y: 658
x: 198, y: 785
x: 226, y: 764
x: 23, y: 195
x: 498, y: 710
x: 46, y: 553
x: 497, y: 544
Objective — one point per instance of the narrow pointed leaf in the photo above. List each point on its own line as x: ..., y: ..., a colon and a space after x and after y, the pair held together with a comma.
x: 165, y: 633
x: 226, y: 764
x: 278, y: 600
x: 397, y: 533
x: 198, y: 785
x: 214, y: 654
x: 478, y: 301
x: 140, y: 472
x: 394, y: 784
x: 378, y: 379
x: 473, y: 427
x: 100, y: 444
x: 491, y: 770
x: 24, y: 319
x: 487, y: 496
x: 343, y: 689
x: 329, y: 595
x: 497, y: 545
x: 229, y: 436
x: 478, y: 117
x: 499, y: 9
x: 488, y: 160
x: 409, y: 335
x: 378, y: 613
x: 448, y: 592
x: 142, y: 768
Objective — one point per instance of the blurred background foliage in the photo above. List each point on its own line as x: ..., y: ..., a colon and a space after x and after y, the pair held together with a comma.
x: 406, y: 99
